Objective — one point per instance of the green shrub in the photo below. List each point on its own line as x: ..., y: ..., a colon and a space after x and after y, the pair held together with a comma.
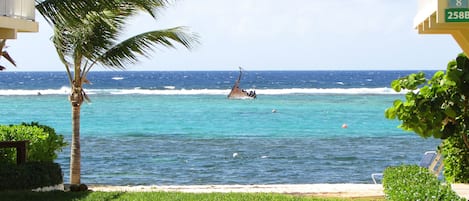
x: 456, y: 160
x: 43, y: 142
x: 411, y: 182
x: 438, y: 107
x: 29, y: 175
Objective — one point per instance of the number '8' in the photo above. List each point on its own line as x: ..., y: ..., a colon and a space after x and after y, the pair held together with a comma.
x: 462, y: 15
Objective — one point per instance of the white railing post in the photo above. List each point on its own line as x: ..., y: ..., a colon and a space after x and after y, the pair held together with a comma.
x: 29, y: 9
x: 9, y: 6
x: 23, y: 9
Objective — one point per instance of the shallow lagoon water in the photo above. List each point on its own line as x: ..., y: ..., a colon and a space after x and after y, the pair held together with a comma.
x: 135, y: 134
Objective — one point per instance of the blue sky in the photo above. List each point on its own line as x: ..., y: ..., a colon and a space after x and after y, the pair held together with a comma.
x: 273, y: 35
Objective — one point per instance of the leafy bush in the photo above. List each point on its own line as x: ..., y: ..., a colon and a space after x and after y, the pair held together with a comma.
x: 438, y: 107
x: 29, y: 175
x: 456, y: 160
x: 411, y: 182
x: 43, y: 142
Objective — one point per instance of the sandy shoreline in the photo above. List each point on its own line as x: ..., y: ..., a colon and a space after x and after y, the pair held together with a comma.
x: 327, y: 190
x: 333, y: 190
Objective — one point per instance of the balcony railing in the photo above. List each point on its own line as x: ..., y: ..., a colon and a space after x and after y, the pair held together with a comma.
x: 425, y: 9
x: 22, y: 9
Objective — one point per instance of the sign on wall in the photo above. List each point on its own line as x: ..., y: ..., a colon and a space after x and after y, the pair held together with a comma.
x: 457, y: 11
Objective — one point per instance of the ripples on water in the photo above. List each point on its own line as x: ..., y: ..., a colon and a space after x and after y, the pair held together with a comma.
x: 179, y: 128
x: 172, y: 160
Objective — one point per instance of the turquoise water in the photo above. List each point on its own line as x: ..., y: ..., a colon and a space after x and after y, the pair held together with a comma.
x: 208, y: 139
x: 210, y: 116
x: 179, y: 128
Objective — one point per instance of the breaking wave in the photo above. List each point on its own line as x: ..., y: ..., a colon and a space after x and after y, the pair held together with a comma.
x: 172, y: 91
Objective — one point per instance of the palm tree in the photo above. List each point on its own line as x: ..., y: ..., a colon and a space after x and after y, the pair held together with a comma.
x: 87, y: 34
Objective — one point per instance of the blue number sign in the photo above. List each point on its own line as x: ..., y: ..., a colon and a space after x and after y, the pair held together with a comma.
x: 458, y: 4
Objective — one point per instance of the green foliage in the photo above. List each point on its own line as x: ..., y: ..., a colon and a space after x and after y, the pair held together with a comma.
x: 431, y: 111
x: 439, y: 108
x: 43, y: 142
x: 410, y: 82
x: 93, y: 36
x: 411, y: 182
x: 29, y: 175
x: 456, y: 160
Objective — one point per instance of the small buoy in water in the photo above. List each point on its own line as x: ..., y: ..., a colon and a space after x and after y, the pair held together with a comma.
x: 235, y: 155
x: 274, y: 111
x: 344, y: 126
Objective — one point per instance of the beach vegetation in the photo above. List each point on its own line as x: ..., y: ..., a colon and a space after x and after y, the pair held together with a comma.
x: 39, y: 170
x: 90, y: 33
x: 438, y: 107
x: 29, y: 175
x: 167, y: 196
x: 456, y: 160
x: 411, y: 182
x: 43, y: 142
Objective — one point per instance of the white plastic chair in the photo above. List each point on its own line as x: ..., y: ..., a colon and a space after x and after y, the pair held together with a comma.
x: 431, y: 160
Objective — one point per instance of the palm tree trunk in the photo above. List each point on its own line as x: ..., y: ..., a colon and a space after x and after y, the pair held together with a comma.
x: 75, y: 156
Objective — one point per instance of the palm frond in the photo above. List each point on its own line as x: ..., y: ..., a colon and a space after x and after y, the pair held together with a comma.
x: 97, y: 32
x: 150, y: 6
x: 72, y: 11
x: 93, y: 33
x: 63, y: 43
x: 128, y: 51
x: 8, y: 58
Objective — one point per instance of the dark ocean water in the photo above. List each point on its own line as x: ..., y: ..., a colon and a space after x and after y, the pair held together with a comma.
x: 179, y: 127
x: 205, y: 79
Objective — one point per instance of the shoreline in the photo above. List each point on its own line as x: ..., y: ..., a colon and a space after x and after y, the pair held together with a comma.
x: 345, y: 190
x: 326, y: 190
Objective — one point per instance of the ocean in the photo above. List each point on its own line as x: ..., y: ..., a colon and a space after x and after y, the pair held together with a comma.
x: 179, y: 128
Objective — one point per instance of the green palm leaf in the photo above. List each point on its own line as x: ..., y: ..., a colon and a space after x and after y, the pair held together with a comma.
x: 71, y: 11
x: 128, y: 51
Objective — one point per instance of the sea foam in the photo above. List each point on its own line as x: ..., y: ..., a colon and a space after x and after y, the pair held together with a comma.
x: 172, y: 91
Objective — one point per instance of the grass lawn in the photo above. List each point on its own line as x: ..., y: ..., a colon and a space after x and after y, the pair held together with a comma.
x: 166, y: 196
